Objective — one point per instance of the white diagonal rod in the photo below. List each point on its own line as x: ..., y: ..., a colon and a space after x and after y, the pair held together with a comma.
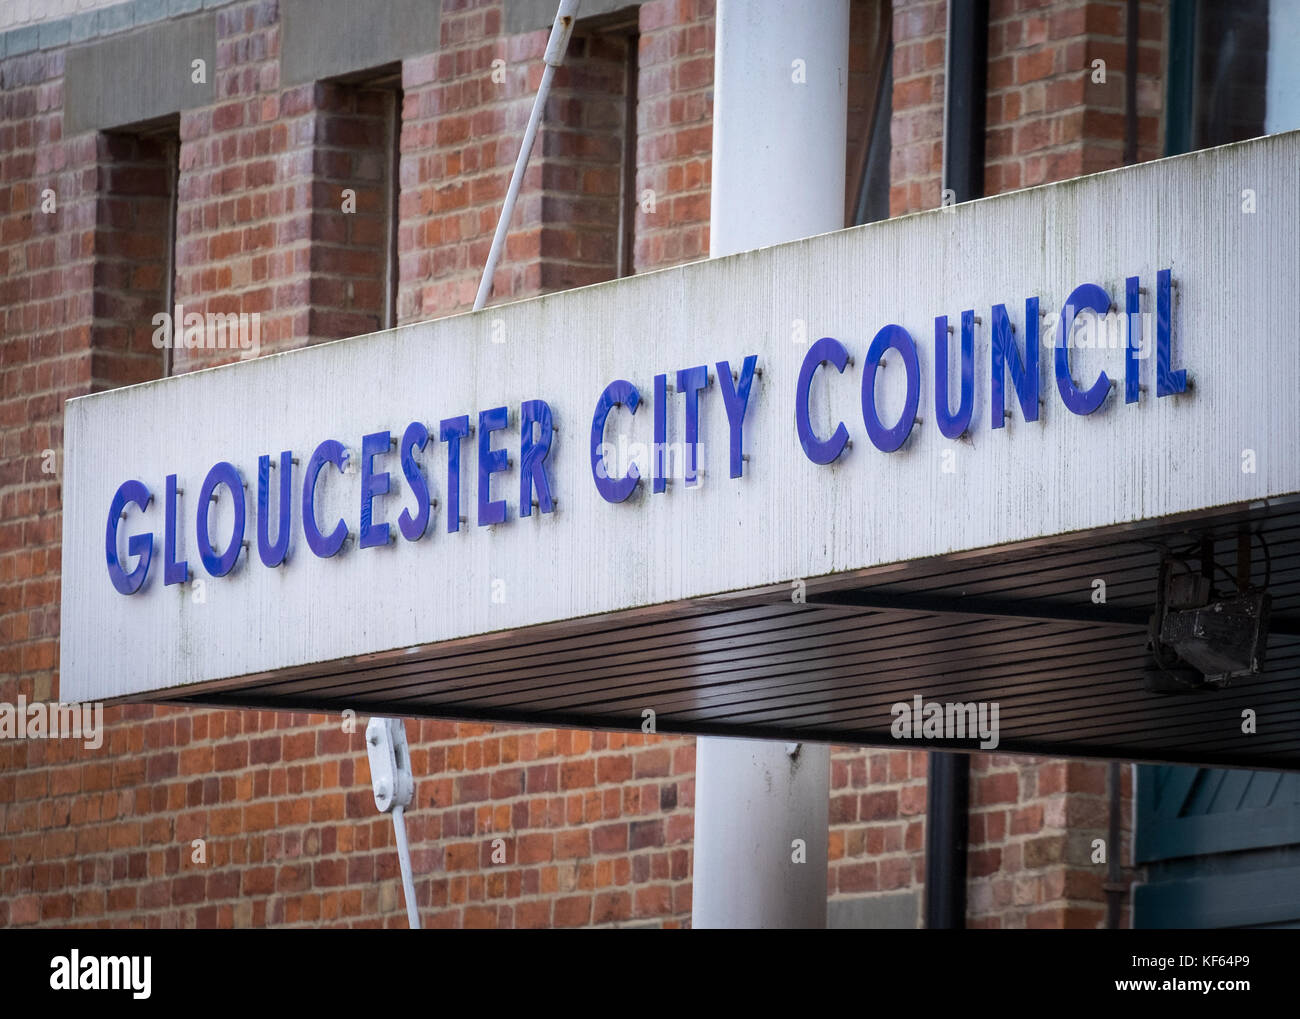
x: 554, y: 57
x: 404, y: 859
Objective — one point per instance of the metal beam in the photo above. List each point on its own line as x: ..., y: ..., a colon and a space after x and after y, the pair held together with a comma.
x: 1041, y: 611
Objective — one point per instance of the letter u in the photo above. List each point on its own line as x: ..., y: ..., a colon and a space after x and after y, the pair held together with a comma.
x: 952, y: 425
x: 273, y: 554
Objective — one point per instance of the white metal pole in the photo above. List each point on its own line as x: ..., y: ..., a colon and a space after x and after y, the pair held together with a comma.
x: 404, y: 860
x: 554, y: 57
x: 780, y: 112
x: 393, y: 784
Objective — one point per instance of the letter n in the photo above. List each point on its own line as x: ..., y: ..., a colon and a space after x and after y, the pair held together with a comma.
x: 1024, y: 374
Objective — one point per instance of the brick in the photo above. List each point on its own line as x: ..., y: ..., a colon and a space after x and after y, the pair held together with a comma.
x: 536, y: 848
x: 879, y: 805
x: 655, y: 763
x: 655, y: 900
x: 506, y: 783
x: 610, y: 838
x: 25, y: 911
x: 858, y: 877
x: 572, y: 844
x: 1003, y: 788
x: 1027, y: 820
x: 1041, y: 852
x: 572, y: 911
x: 611, y: 907
x: 645, y: 833
x: 577, y: 774
x: 614, y: 768
x: 1033, y: 66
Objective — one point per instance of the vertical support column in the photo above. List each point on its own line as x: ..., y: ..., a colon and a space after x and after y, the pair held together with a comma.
x: 780, y: 113
x: 780, y: 122
x: 753, y: 800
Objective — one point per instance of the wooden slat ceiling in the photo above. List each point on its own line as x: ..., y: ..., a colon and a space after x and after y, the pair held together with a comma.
x: 1014, y: 625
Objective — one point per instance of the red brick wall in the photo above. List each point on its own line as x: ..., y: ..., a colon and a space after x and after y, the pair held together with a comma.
x: 46, y: 306
x: 1049, y: 115
x: 597, y: 827
x: 248, y: 173
x: 1047, y: 118
x: 916, y: 132
x: 674, y: 132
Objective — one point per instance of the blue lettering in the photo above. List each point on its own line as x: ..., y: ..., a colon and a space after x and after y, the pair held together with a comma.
x: 416, y: 437
x: 735, y: 397
x: 373, y: 484
x: 273, y: 553
x: 173, y: 572
x: 690, y: 381
x: 953, y: 426
x: 532, y: 457
x: 452, y: 431
x: 612, y: 489
x: 896, y: 337
x: 1024, y: 374
x: 820, y: 451
x: 490, y: 461
x: 1094, y: 298
x: 139, y: 545
x: 1168, y: 381
x: 330, y: 451
x: 221, y: 474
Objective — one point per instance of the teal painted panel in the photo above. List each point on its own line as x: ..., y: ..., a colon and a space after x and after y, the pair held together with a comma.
x: 1186, y: 812
x: 1268, y: 897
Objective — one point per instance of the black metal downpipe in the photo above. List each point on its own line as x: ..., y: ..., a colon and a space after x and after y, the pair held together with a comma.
x: 966, y: 99
x: 1131, y: 15
x: 947, y: 832
x: 1114, y: 887
x: 947, y: 820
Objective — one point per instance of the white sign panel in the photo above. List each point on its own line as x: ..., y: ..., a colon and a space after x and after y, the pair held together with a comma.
x: 1167, y: 278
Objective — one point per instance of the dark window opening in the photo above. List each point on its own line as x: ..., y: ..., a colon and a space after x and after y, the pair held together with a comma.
x: 588, y: 151
x: 354, y: 265
x: 871, y: 108
x: 135, y: 254
x: 1232, y: 72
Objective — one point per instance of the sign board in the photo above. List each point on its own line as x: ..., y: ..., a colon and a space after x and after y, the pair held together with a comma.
x: 411, y: 459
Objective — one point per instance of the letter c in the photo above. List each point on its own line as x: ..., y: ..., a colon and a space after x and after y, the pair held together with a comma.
x: 1080, y: 401
x: 329, y: 451
x: 612, y: 489
x: 831, y: 351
